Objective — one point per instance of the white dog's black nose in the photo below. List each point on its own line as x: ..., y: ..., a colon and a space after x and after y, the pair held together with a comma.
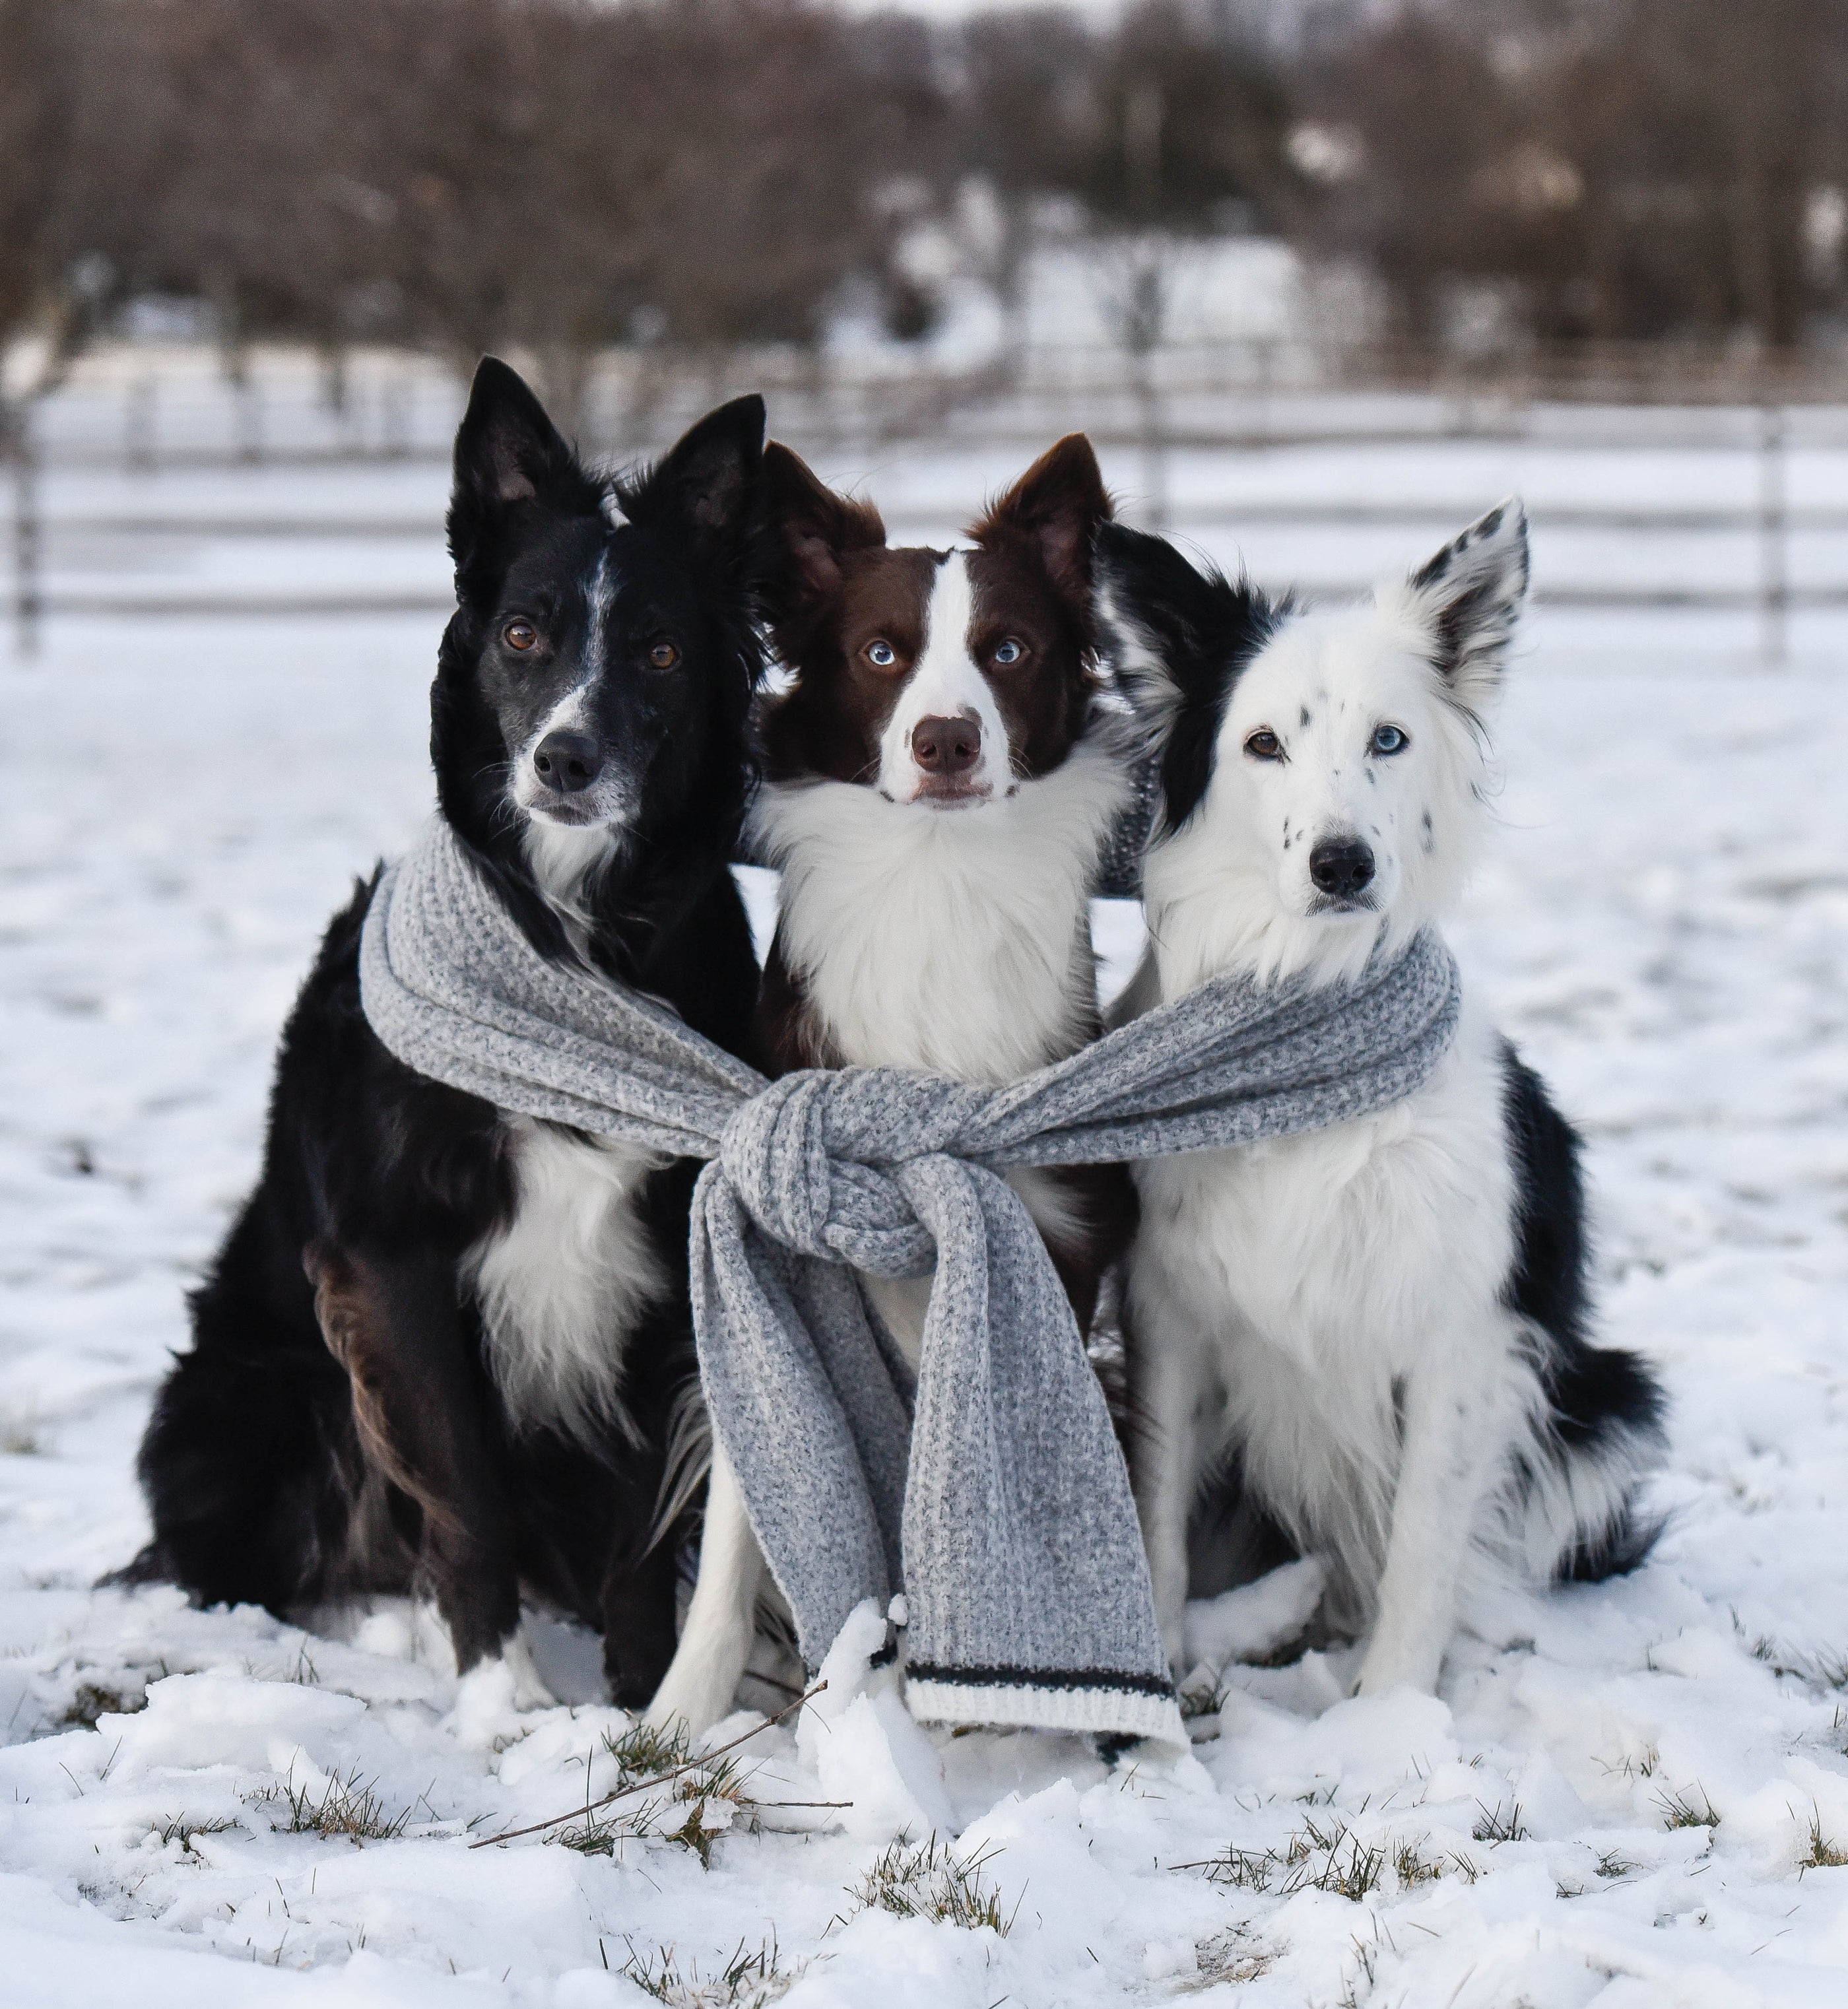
x: 568, y: 761
x: 1342, y: 866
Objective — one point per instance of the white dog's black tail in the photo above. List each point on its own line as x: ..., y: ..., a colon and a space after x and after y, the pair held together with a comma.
x: 1601, y: 1427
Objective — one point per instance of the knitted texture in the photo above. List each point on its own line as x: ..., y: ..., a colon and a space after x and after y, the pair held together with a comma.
x: 993, y: 1492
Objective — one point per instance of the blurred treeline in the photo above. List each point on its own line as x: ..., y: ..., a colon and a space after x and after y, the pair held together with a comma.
x: 560, y: 175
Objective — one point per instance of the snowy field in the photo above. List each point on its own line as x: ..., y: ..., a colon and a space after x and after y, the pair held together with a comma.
x: 1631, y: 1795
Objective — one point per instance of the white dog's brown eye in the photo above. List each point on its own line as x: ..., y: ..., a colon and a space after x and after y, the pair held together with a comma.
x: 520, y: 634
x: 1388, y: 739
x: 664, y: 655
x: 1264, y: 745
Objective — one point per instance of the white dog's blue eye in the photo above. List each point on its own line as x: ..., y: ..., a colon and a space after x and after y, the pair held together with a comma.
x: 882, y: 654
x: 1009, y: 651
x: 1388, y: 739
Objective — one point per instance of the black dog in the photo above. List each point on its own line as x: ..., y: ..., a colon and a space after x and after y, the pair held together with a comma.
x: 442, y: 1348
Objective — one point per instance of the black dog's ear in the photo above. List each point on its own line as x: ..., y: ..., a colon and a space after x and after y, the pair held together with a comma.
x: 508, y: 452
x: 710, y: 483
x: 1175, y: 639
x: 508, y: 456
x: 817, y: 526
x: 1154, y: 613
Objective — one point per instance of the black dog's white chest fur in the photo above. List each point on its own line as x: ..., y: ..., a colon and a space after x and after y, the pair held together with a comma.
x: 561, y: 1286
x: 562, y: 1283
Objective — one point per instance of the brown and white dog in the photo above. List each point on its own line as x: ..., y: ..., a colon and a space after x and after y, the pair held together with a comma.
x: 940, y: 781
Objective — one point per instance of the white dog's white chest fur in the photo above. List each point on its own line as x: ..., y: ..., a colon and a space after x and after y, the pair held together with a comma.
x: 561, y: 1286
x: 1310, y: 1274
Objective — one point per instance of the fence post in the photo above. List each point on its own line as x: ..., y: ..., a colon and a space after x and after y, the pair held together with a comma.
x: 138, y: 424
x: 1774, y: 572
x: 15, y: 425
x: 250, y: 419
x: 395, y: 415
x: 1155, y: 445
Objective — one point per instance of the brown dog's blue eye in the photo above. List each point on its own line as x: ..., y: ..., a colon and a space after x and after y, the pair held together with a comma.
x: 1009, y: 651
x: 1388, y: 739
x: 1264, y: 745
x: 882, y: 655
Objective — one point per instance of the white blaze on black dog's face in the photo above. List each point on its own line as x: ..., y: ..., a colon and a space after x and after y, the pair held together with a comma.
x: 1321, y: 770
x: 599, y: 635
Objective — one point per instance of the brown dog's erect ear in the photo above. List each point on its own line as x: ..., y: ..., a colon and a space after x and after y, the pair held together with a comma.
x: 818, y: 527
x: 1058, y: 503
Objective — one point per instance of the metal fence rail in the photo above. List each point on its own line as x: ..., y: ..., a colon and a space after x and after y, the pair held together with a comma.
x: 132, y: 415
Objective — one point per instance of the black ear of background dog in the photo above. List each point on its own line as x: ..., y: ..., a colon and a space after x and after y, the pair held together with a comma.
x: 1177, y: 639
x: 335, y: 1430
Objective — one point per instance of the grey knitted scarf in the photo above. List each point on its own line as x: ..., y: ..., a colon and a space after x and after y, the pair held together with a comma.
x: 992, y: 1493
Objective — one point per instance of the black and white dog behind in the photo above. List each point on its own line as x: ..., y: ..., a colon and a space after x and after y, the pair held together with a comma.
x: 1379, y: 1330
x: 440, y: 1350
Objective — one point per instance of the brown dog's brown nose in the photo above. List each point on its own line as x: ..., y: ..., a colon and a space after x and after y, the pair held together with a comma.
x: 947, y: 745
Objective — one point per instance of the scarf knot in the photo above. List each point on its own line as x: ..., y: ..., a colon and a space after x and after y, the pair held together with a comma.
x: 825, y: 1160
x: 773, y: 1152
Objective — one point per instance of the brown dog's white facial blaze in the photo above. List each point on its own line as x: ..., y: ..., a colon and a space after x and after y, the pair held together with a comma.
x: 944, y: 678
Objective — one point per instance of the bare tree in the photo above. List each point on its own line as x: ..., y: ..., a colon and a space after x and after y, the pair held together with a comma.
x: 1623, y: 168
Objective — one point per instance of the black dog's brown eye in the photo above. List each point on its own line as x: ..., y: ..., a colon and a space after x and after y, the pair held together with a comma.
x: 520, y: 634
x: 1264, y: 745
x: 664, y: 655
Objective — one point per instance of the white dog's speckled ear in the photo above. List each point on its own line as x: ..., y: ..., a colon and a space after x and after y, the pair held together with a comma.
x: 1468, y: 599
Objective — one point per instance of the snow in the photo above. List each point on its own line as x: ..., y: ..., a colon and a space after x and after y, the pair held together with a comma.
x: 1663, y: 926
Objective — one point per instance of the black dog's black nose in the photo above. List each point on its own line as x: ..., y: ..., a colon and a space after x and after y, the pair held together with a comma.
x: 1341, y: 866
x: 568, y: 761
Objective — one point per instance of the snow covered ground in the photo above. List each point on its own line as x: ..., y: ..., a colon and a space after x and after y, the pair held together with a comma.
x: 1636, y: 1793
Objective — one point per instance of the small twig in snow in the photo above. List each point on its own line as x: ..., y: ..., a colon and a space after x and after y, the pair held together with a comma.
x: 660, y: 1780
